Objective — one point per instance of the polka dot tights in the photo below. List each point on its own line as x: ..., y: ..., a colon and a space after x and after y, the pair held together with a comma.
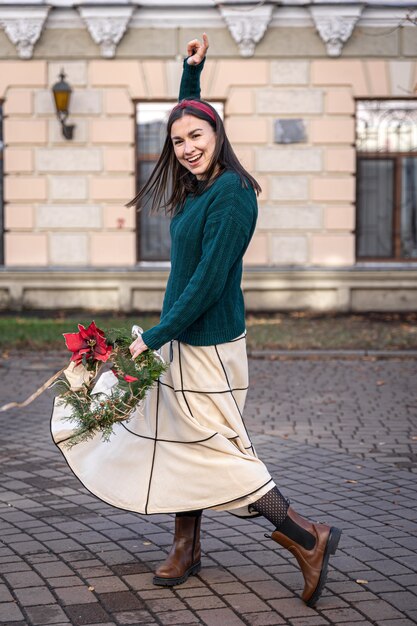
x: 273, y: 506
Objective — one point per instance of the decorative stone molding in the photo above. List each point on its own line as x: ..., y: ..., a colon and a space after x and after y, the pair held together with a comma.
x: 335, y: 25
x: 351, y: 289
x: 247, y: 25
x: 106, y: 25
x: 23, y: 26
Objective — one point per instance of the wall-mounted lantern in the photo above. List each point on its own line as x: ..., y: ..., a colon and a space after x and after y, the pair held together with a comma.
x: 62, y: 95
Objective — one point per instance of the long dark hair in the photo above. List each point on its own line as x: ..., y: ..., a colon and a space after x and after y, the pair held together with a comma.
x: 170, y: 182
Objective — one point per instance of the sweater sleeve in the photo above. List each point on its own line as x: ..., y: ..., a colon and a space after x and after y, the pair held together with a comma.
x: 224, y: 242
x: 190, y: 81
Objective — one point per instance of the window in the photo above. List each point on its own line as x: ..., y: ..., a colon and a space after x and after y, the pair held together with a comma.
x: 153, y: 242
x: 153, y: 230
x: 386, y: 180
x: 1, y: 188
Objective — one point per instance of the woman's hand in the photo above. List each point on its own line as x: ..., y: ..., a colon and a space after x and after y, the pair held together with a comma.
x: 137, y: 347
x: 196, y: 51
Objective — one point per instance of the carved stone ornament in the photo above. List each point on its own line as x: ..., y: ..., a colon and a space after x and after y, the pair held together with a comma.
x: 335, y: 25
x: 23, y: 26
x: 106, y: 26
x: 247, y: 25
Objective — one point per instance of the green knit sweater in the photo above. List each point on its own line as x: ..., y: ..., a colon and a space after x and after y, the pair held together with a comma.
x: 203, y: 303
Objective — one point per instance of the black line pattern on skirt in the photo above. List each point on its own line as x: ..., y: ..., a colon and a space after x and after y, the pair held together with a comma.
x: 237, y: 339
x: 182, y: 382
x: 154, y: 450
x: 207, y: 393
x: 240, y: 338
x: 155, y: 439
x: 234, y: 399
x: 123, y: 508
x: 168, y: 440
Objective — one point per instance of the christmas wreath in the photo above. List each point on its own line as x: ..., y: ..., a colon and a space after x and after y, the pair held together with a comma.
x: 102, y: 385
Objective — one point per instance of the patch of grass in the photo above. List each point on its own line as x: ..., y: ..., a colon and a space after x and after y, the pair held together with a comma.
x: 286, y: 331
x: 45, y: 333
x: 307, y: 331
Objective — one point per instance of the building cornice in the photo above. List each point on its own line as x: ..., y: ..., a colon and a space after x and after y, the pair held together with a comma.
x: 335, y: 26
x: 23, y: 26
x: 247, y: 25
x: 246, y: 20
x: 106, y: 25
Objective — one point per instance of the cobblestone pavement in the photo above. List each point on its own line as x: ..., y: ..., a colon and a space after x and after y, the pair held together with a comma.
x: 339, y: 437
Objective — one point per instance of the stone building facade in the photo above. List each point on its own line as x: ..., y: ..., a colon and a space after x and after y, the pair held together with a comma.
x: 290, y: 77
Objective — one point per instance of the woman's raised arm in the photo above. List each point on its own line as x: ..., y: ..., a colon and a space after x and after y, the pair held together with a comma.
x: 192, y: 68
x: 196, y: 51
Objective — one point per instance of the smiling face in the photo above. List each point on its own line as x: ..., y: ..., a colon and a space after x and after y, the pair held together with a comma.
x: 194, y: 141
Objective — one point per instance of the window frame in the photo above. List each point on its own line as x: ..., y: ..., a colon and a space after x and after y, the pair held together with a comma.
x: 2, y: 216
x: 396, y: 213
x: 136, y: 102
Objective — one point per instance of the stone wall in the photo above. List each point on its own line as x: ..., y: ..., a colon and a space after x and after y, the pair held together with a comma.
x: 71, y: 242
x: 65, y: 200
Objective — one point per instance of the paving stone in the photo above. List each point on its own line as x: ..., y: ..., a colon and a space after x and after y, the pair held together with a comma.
x: 120, y: 601
x: 205, y: 602
x: 270, y: 589
x: 101, y: 624
x: 378, y: 609
x: 270, y: 618
x: 155, y: 593
x: 133, y: 617
x: 217, y: 575
x: 389, y: 568
x: 106, y: 584
x: 47, y: 614
x: 351, y: 598
x: 83, y: 614
x: 75, y: 595
x: 246, y: 603
x: 29, y: 547
x: 397, y: 622
x: 23, y: 579
x: 249, y: 573
x: 129, y: 568
x: 340, y: 616
x: 140, y: 581
x: 194, y: 591
x: 33, y: 596
x: 14, y: 566
x: 291, y: 607
x: 5, y: 595
x: 169, y: 604
x: 230, y: 557
x: 178, y: 617
x: 312, y: 621
x: 401, y: 599
x: 65, y: 581
x: 378, y: 586
x: 10, y: 612
x: 226, y: 617
x: 52, y: 570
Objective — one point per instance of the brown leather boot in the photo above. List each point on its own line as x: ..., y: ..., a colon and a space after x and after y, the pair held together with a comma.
x: 314, y: 562
x: 184, y: 558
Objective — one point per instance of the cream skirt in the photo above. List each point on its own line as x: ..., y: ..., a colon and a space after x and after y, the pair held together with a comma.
x: 187, y: 448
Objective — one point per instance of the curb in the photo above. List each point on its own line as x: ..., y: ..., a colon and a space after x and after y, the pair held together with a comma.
x: 50, y: 358
x: 333, y: 354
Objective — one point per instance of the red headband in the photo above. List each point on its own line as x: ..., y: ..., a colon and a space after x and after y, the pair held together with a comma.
x: 196, y: 104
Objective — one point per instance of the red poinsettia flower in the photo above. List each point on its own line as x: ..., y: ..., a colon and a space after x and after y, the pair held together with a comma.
x: 130, y: 379
x: 90, y: 342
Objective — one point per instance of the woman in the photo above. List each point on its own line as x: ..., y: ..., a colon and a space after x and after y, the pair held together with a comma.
x: 202, y: 329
